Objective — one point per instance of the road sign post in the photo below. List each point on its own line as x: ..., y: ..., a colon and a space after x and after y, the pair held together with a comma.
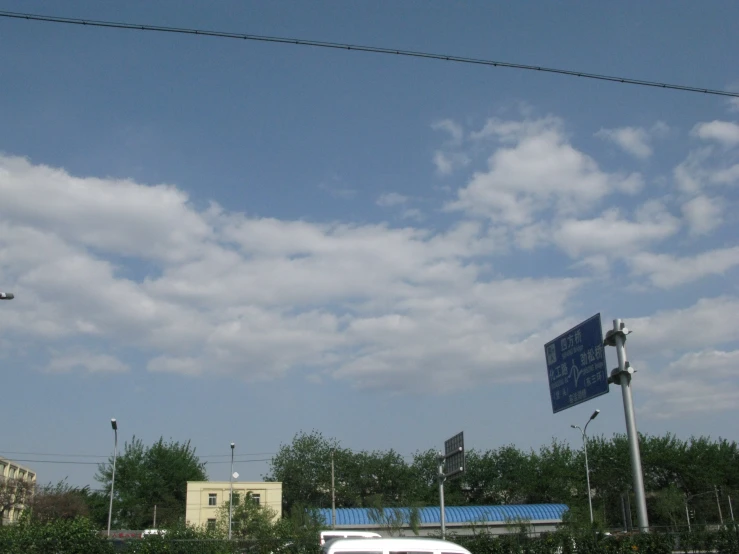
x: 451, y: 464
x: 576, y: 365
x: 622, y: 376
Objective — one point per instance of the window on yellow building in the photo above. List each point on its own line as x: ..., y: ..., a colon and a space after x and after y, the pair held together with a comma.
x: 212, y: 499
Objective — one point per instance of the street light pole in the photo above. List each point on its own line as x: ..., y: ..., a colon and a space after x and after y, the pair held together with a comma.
x: 587, y: 468
x: 6, y: 296
x: 231, y: 492
x: 114, y: 425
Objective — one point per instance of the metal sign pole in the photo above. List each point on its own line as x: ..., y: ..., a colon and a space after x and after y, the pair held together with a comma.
x: 441, y: 494
x: 622, y: 375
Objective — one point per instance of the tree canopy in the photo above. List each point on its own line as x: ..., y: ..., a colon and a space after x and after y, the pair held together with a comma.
x: 149, y: 476
x: 676, y: 472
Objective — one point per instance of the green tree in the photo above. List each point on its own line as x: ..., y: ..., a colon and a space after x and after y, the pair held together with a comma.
x: 304, y: 468
x: 149, y: 476
x: 249, y: 520
x: 58, y: 501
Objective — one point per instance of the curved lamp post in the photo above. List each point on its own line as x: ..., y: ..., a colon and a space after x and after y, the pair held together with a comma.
x: 587, y: 469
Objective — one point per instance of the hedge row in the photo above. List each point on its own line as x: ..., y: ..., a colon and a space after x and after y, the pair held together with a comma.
x: 80, y: 537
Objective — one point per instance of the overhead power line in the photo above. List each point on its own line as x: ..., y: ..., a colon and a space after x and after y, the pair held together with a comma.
x: 76, y: 462
x: 361, y: 48
x: 238, y: 457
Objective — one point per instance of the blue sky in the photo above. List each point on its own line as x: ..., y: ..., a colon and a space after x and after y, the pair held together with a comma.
x: 223, y: 240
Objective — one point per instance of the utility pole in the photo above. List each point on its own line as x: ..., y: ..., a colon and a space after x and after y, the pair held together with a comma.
x: 231, y: 492
x: 718, y: 503
x: 441, y: 495
x: 333, y: 494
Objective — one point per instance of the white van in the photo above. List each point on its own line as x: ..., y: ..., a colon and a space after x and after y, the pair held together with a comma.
x: 395, y: 545
x: 338, y: 534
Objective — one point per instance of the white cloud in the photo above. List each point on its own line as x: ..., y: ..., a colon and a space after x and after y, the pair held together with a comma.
x: 86, y: 361
x: 723, y: 132
x: 456, y: 133
x: 726, y: 176
x: 535, y: 170
x: 703, y: 381
x: 707, y: 323
x: 703, y: 214
x: 450, y: 158
x: 391, y: 199
x: 118, y: 216
x: 633, y: 140
x: 703, y: 167
x: 448, y: 162
x: 667, y: 271
x: 203, y: 292
x: 613, y: 235
x: 413, y: 213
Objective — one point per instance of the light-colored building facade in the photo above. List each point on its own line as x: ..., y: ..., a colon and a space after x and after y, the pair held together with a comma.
x: 204, y: 498
x: 12, y: 475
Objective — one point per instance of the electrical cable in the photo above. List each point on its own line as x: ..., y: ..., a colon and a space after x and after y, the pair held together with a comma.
x: 361, y: 48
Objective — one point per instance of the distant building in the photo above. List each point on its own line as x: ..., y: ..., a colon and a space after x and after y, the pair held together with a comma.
x: 12, y: 473
x: 460, y: 520
x: 204, y: 498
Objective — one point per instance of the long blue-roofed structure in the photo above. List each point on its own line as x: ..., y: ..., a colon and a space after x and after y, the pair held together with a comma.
x: 460, y: 519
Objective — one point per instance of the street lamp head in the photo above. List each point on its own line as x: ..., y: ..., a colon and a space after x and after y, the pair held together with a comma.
x: 573, y: 426
x: 6, y: 296
x: 595, y: 414
x: 232, y: 445
x: 114, y: 424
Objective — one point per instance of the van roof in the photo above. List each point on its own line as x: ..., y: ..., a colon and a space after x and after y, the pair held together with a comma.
x: 419, y: 543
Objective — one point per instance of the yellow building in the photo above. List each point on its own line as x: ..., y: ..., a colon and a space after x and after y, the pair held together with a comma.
x: 11, y: 476
x: 204, y: 498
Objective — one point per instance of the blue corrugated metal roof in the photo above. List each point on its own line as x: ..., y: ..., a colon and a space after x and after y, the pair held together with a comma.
x: 457, y: 514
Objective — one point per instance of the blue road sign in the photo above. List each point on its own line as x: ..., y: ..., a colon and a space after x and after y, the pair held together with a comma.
x: 576, y: 365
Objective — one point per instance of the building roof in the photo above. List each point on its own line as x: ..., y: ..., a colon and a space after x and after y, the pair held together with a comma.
x: 457, y: 514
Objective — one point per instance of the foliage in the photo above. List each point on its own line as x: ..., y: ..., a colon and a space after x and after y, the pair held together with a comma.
x: 149, y: 476
x: 675, y: 471
x: 304, y: 468
x: 71, y: 536
x: 393, y: 520
x: 77, y: 536
x: 61, y: 501
x: 249, y: 520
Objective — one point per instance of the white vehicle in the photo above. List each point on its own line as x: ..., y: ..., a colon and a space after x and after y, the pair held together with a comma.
x: 335, y: 534
x: 149, y: 532
x: 394, y: 545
